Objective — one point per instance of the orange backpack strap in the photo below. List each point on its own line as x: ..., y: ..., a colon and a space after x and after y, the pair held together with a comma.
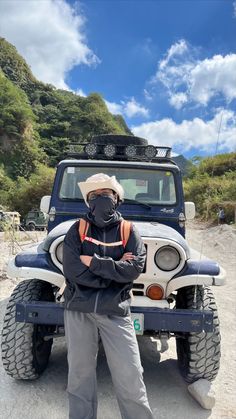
x: 125, y: 229
x: 83, y: 229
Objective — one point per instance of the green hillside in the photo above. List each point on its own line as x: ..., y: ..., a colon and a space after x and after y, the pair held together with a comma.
x: 212, y: 183
x: 184, y: 164
x: 16, y: 69
x: 59, y: 116
x: 37, y: 123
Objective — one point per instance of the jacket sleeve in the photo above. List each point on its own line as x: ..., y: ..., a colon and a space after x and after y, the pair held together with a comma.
x: 74, y: 270
x: 122, y: 271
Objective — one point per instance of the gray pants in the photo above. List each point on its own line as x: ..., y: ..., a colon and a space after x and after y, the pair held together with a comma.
x: 122, y: 353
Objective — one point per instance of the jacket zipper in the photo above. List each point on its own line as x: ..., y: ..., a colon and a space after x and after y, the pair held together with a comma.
x: 104, y: 251
x: 104, y: 241
x: 96, y: 302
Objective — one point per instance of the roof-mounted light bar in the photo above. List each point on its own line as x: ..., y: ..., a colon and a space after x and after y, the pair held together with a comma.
x: 119, y: 152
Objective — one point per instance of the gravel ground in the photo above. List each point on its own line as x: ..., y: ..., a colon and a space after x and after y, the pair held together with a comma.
x: 167, y: 392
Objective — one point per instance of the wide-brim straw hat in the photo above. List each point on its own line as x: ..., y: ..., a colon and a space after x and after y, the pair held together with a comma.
x: 100, y: 181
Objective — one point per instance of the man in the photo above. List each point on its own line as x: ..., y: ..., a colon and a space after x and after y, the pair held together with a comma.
x: 99, y: 274
x: 221, y: 216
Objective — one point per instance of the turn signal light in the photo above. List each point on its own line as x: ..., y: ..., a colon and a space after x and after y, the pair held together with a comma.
x: 155, y: 292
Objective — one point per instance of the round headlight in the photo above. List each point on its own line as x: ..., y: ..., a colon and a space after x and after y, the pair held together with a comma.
x: 109, y: 150
x: 167, y: 258
x: 59, y: 252
x: 130, y: 151
x: 91, y: 149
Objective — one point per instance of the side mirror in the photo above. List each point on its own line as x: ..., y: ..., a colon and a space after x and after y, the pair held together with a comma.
x: 190, y: 211
x: 45, y: 203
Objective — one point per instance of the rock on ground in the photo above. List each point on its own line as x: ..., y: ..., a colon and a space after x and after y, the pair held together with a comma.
x: 202, y: 392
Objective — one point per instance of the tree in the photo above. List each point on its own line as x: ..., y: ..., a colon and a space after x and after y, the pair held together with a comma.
x: 6, y: 186
x: 19, y: 150
x: 27, y: 194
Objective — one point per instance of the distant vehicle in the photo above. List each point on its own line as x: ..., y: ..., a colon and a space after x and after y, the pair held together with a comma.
x: 35, y: 220
x: 10, y: 219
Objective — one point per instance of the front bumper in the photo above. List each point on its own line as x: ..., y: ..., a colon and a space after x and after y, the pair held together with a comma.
x: 155, y: 319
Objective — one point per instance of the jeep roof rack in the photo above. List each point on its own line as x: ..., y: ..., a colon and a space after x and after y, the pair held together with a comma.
x: 119, y: 147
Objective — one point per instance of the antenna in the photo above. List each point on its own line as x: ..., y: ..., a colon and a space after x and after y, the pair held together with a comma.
x: 219, y: 129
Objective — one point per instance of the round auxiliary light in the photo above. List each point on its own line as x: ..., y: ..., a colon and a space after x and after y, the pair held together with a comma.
x: 150, y: 152
x: 110, y: 150
x: 91, y: 149
x: 130, y: 151
x: 155, y: 292
x: 167, y: 258
x: 59, y: 252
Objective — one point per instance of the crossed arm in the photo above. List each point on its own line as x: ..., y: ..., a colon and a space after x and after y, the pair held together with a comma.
x: 97, y: 271
x: 86, y: 260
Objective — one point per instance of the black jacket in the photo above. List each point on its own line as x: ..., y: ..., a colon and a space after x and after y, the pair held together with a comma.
x: 104, y: 287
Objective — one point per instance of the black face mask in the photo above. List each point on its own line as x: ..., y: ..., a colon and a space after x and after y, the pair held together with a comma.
x: 103, y: 210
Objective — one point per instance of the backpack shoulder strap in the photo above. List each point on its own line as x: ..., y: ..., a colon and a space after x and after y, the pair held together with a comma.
x: 125, y: 229
x: 83, y: 229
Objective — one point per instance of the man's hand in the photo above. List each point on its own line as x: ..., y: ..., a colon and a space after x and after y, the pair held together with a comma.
x: 128, y: 256
x: 86, y: 260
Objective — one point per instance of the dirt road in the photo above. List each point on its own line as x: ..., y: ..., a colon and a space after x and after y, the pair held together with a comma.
x: 168, y: 395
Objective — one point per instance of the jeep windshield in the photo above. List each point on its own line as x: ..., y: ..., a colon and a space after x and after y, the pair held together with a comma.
x: 153, y: 187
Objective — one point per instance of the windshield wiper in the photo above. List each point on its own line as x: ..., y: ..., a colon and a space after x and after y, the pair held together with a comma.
x: 134, y: 201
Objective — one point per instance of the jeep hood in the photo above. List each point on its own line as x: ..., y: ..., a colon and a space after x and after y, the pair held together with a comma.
x: 146, y: 229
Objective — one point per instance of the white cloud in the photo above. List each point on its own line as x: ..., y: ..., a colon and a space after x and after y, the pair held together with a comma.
x: 131, y: 108
x: 212, y: 76
x: 49, y: 35
x: 234, y: 6
x: 177, y: 100
x: 80, y: 92
x: 176, y: 49
x: 114, y: 108
x: 147, y: 95
x: 191, y: 134
x: 188, y: 79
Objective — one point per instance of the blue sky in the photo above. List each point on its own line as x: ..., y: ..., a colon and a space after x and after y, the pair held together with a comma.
x: 169, y: 67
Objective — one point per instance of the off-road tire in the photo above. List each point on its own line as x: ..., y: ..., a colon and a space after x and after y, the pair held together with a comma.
x: 118, y: 139
x: 25, y: 353
x: 198, y: 353
x: 31, y: 227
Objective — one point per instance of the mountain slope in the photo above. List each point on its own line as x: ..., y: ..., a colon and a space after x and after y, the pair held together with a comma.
x: 62, y: 116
